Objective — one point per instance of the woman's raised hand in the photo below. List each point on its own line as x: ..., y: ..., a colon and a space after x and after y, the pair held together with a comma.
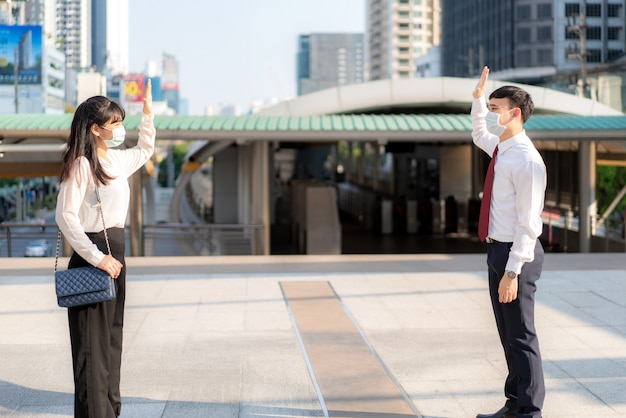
x: 147, y: 99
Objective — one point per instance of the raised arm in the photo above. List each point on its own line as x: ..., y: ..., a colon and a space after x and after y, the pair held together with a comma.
x: 479, y: 91
x: 481, y: 137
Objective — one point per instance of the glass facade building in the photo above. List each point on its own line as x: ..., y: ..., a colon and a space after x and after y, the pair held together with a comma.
x: 328, y: 60
x: 398, y: 32
x: 528, y: 40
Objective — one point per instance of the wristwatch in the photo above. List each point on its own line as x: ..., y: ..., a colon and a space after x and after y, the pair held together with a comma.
x: 511, y: 274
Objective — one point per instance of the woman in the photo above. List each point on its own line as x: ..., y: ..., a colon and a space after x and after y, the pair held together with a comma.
x: 89, y: 163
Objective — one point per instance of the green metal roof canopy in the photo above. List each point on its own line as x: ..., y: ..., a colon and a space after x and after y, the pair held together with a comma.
x: 355, y: 127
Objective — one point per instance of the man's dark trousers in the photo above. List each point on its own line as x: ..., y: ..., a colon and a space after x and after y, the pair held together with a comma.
x: 524, y: 387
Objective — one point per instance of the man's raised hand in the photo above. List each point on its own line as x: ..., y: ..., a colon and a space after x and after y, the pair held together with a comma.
x: 479, y: 91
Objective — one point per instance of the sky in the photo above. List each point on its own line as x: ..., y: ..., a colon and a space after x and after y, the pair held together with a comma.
x: 234, y: 51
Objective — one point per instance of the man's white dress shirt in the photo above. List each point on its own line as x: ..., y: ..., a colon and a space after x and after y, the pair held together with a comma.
x: 518, y: 189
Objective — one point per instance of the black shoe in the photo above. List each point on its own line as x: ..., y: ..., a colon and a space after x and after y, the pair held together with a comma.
x: 505, y: 412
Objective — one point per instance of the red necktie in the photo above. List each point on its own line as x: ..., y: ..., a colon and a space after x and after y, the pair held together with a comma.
x: 485, y: 204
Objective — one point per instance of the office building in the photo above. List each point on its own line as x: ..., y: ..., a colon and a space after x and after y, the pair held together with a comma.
x: 94, y: 33
x: 73, y: 31
x: 328, y: 60
x: 110, y: 50
x: 429, y: 65
x: 530, y: 41
x: 169, y: 81
x: 398, y: 32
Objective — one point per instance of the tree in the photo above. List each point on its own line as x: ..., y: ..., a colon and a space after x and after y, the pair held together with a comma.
x: 610, y: 180
x: 178, y: 153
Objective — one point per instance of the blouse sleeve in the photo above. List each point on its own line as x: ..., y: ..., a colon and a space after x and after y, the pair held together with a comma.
x: 131, y: 159
x: 72, y: 193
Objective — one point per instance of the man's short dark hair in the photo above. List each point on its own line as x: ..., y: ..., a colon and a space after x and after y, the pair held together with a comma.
x: 517, y: 98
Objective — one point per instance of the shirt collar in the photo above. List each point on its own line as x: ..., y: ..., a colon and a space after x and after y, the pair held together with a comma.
x: 512, y: 141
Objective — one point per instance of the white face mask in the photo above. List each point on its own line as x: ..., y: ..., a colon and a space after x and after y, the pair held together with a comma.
x: 493, y: 123
x: 119, y: 134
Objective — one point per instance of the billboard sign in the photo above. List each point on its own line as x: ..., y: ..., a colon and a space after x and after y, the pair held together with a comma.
x: 133, y: 88
x: 26, y: 42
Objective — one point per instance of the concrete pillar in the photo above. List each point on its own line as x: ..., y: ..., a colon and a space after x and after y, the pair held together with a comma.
x: 136, y: 214
x: 261, y: 196
x: 225, y: 190
x: 587, y: 180
x: 349, y: 163
x: 149, y: 184
x: 244, y: 180
x: 361, y: 164
x: 376, y: 168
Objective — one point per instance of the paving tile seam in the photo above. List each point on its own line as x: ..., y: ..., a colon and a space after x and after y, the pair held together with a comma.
x: 590, y: 392
x: 317, y: 339
x: 303, y: 350
x: 369, y: 344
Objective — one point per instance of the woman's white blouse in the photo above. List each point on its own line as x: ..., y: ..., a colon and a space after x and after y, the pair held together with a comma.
x: 77, y: 206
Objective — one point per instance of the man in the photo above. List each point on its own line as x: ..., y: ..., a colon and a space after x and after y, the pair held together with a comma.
x: 511, y: 224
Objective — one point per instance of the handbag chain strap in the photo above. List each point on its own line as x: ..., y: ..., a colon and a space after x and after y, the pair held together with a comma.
x: 106, y: 236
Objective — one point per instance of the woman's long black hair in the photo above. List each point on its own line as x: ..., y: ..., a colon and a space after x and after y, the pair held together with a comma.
x: 81, y: 143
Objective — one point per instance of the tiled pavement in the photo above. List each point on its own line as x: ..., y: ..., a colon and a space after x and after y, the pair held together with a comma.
x: 213, y: 337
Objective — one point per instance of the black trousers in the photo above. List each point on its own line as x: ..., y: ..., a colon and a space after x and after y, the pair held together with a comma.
x: 96, y: 337
x: 524, y: 387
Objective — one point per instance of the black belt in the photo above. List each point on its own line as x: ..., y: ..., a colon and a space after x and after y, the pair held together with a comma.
x: 490, y: 240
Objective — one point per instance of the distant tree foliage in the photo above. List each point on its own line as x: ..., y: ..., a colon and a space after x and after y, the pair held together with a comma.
x: 8, y: 182
x: 179, y: 151
x: 610, y: 180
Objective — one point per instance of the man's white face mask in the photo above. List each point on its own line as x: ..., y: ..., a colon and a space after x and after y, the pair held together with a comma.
x: 493, y: 123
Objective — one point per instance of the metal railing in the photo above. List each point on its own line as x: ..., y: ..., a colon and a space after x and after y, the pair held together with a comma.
x: 561, y: 230
x: 609, y: 234
x: 159, y: 239
x: 15, y: 237
x: 201, y: 239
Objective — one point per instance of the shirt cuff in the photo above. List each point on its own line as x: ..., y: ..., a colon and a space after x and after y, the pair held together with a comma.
x: 479, y: 105
x: 514, y: 265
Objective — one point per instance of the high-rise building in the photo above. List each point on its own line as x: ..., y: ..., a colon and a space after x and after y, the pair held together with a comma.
x: 11, y: 13
x: 328, y: 60
x: 73, y: 31
x: 110, y: 53
x: 23, y: 12
x: 528, y: 40
x: 94, y: 33
x: 397, y: 32
x: 169, y: 81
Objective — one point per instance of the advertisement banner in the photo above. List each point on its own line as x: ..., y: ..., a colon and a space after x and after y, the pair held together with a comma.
x: 25, y: 42
x: 133, y: 88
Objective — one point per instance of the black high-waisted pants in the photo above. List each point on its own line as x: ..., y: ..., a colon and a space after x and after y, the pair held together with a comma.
x: 96, y: 337
x: 524, y: 386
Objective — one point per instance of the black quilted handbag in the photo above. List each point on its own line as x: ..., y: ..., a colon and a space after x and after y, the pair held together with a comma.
x: 83, y: 285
